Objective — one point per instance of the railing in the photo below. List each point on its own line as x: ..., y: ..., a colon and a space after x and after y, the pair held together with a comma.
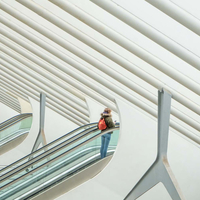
x: 14, y: 126
x: 76, y: 147
x: 13, y: 120
x: 51, y: 146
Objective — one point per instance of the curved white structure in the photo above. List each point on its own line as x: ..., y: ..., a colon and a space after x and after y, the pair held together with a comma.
x: 86, y: 55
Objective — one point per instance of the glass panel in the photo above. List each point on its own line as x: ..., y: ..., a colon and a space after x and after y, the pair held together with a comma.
x: 64, y: 162
x: 50, y: 146
x: 14, y: 119
x: 9, y: 121
x: 16, y: 128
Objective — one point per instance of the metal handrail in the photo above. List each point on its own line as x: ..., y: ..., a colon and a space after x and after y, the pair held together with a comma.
x: 46, y: 146
x: 63, y: 154
x: 45, y: 154
x: 13, y: 136
x: 12, y: 123
x: 14, y: 120
x: 34, y: 161
x: 15, y: 117
x: 60, y: 176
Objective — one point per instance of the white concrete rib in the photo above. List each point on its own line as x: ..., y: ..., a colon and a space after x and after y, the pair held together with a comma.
x: 107, y: 52
x: 129, y: 98
x: 8, y: 70
x: 62, y: 67
x: 96, y: 77
x: 17, y: 86
x: 13, y: 104
x: 149, y: 32
x: 12, y: 90
x: 43, y: 84
x: 88, y: 82
x: 177, y: 14
x: 83, y: 69
x: 128, y: 45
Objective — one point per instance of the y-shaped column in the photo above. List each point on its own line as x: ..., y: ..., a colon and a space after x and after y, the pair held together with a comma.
x: 41, y: 136
x: 160, y: 170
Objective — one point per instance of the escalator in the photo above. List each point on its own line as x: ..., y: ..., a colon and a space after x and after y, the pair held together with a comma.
x: 13, y: 131
x: 55, y: 164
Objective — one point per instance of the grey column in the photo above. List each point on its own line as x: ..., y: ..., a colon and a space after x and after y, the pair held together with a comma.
x: 41, y: 136
x: 160, y: 170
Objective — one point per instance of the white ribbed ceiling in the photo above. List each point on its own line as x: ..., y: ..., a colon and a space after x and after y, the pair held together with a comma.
x: 75, y: 49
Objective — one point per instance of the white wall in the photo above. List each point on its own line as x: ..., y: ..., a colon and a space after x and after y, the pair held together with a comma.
x: 6, y: 112
x: 56, y: 125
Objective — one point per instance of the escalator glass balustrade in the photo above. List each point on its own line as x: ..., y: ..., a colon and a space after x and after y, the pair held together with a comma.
x: 14, y: 131
x: 54, y: 162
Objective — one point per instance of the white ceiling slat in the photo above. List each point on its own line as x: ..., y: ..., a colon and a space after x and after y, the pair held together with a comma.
x: 178, y: 14
x: 95, y: 45
x: 31, y: 93
x: 33, y: 87
x: 42, y: 56
x: 128, y: 45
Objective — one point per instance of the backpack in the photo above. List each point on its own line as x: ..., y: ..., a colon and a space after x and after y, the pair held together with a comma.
x: 102, y: 124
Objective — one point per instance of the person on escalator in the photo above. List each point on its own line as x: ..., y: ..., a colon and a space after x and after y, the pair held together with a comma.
x: 105, y: 139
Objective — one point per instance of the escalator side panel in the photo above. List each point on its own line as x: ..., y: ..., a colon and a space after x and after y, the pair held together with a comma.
x: 73, y: 181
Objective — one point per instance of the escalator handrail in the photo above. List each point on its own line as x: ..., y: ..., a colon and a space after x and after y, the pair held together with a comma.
x: 13, y: 123
x: 15, y: 117
x: 47, y: 153
x: 30, y: 163
x: 58, y: 177
x: 14, y: 120
x: 46, y: 146
x: 53, y: 150
x: 63, y: 154
x: 13, y: 137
